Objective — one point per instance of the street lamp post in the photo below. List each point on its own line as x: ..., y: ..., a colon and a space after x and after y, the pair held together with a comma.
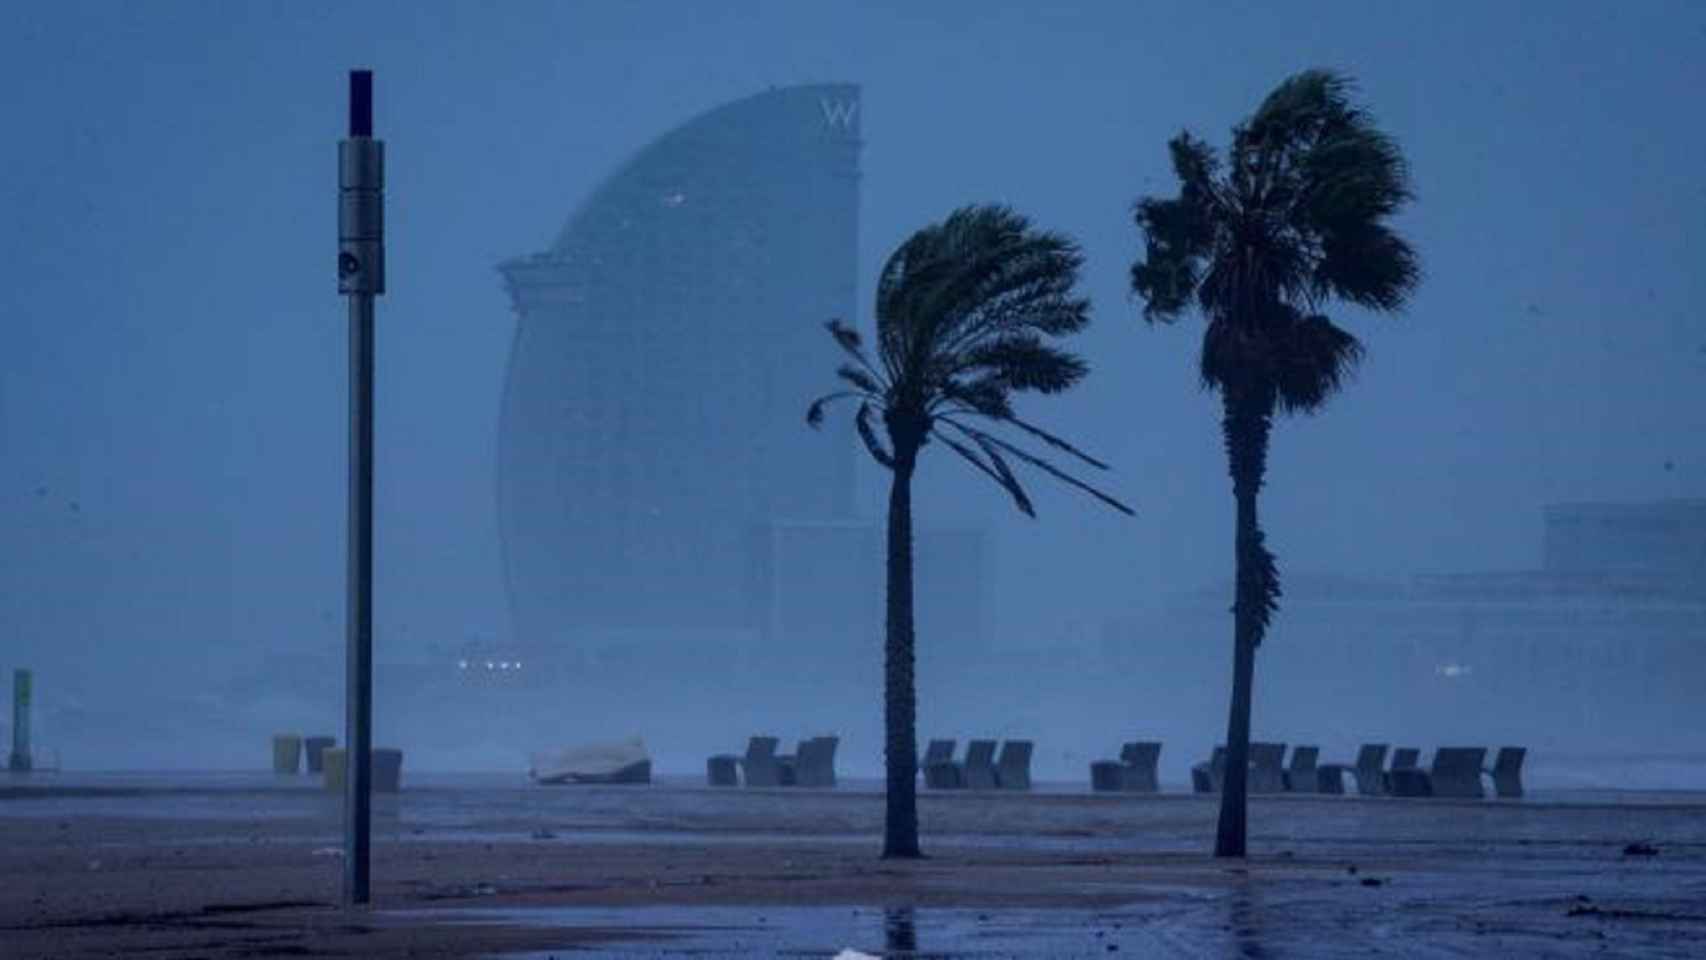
x: 361, y: 277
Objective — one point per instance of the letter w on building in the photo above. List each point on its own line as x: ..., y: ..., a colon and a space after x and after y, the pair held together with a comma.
x: 839, y: 113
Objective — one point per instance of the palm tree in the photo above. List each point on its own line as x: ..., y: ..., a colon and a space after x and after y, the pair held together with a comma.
x: 965, y: 310
x: 1296, y: 217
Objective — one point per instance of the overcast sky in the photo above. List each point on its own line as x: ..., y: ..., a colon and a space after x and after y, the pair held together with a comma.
x: 172, y: 375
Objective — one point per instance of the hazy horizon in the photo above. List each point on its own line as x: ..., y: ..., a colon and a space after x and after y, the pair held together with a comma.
x: 172, y: 483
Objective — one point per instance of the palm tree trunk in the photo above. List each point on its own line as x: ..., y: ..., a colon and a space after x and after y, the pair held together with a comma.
x: 900, y: 698
x: 1246, y: 426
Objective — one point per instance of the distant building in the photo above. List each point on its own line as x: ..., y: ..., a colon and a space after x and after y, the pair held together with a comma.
x: 1603, y: 647
x: 656, y: 478
x: 1666, y: 538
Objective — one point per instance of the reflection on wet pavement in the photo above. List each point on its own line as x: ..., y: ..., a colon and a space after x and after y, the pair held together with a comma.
x: 1246, y: 922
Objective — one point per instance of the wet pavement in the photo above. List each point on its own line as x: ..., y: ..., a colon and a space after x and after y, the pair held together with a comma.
x: 678, y: 869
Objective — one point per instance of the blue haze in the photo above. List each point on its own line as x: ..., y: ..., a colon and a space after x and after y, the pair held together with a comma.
x: 172, y: 371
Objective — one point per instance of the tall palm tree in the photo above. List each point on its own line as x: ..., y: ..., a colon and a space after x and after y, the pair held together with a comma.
x: 1296, y: 217
x: 966, y: 310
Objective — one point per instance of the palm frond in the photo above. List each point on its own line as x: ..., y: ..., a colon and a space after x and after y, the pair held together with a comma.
x: 863, y: 381
x: 862, y: 420
x: 814, y: 413
x: 996, y: 470
x: 985, y: 396
x: 852, y: 344
x: 1311, y: 363
x: 1055, y: 442
x: 1025, y: 362
x: 1039, y: 463
x: 1179, y: 232
x: 1369, y: 265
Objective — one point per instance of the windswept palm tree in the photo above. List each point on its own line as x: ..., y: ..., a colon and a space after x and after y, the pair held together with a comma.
x: 1296, y: 217
x: 966, y: 310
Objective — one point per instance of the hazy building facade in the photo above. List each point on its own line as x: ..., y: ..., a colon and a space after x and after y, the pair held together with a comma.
x: 1601, y: 649
x: 667, y: 344
x: 656, y: 478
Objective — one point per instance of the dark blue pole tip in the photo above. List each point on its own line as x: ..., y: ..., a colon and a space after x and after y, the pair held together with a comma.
x: 361, y: 103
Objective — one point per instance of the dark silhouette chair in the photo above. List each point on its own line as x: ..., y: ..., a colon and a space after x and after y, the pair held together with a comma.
x: 314, y: 749
x: 1134, y: 772
x: 760, y: 767
x: 1403, y: 758
x: 978, y: 770
x: 286, y: 753
x: 722, y: 770
x: 814, y: 762
x: 1455, y: 772
x: 1507, y: 772
x: 1142, y: 759
x: 1267, y: 767
x: 1371, y: 758
x: 1302, y: 776
x: 1013, y: 766
x: 938, y: 766
x: 1206, y: 777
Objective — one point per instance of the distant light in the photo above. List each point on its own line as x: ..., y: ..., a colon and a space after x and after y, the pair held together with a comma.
x: 674, y: 199
x: 490, y: 665
x: 518, y: 664
x: 462, y: 664
x: 1453, y: 670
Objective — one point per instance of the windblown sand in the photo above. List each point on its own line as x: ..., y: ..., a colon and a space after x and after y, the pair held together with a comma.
x: 246, y: 868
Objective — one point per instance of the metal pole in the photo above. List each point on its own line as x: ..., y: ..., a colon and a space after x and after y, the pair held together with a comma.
x: 361, y: 275
x: 358, y: 721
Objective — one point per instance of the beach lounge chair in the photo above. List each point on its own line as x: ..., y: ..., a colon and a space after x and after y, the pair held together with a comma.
x: 1507, y: 772
x: 722, y: 770
x: 1267, y: 767
x: 1403, y: 758
x: 1207, y: 777
x: 1302, y: 776
x: 1013, y: 767
x: 313, y: 748
x: 814, y: 763
x: 760, y: 767
x: 1134, y: 771
x: 286, y: 753
x: 978, y: 770
x: 1370, y: 778
x: 938, y: 766
x: 1107, y: 776
x: 1455, y: 772
x: 1140, y: 761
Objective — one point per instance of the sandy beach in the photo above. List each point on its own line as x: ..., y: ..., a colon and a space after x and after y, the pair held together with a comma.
x: 235, y: 866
